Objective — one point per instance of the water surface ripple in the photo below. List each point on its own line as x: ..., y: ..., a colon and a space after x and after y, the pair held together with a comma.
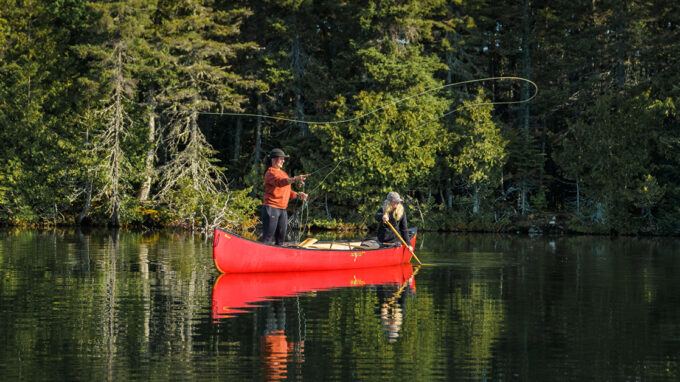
x: 119, y: 305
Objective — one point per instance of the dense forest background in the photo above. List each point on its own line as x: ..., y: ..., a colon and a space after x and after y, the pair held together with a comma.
x: 155, y: 112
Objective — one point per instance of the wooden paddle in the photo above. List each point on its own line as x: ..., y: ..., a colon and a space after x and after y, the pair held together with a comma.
x: 403, y: 242
x: 397, y: 294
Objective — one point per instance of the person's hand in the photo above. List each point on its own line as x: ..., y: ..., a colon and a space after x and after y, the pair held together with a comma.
x: 410, y: 247
x: 302, y: 196
x: 299, y: 178
x: 386, y: 218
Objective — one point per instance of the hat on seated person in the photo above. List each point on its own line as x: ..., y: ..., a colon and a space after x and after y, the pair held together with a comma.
x: 394, y: 197
x: 275, y: 153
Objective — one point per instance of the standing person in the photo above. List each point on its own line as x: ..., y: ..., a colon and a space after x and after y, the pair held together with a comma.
x: 277, y: 193
x: 392, y: 210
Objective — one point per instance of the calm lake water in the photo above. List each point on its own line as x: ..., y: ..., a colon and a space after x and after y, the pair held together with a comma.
x: 117, y: 305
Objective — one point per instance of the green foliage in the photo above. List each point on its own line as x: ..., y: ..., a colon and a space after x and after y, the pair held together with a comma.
x: 477, y: 151
x: 390, y: 150
x: 234, y: 210
x: 198, y: 47
x: 525, y: 161
x: 103, y: 110
x: 446, y: 219
x: 610, y: 153
x: 479, y: 146
x: 394, y: 145
x: 539, y: 201
x: 648, y: 193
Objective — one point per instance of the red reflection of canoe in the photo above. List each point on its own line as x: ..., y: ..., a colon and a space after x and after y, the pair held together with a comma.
x: 234, y: 292
x: 235, y: 254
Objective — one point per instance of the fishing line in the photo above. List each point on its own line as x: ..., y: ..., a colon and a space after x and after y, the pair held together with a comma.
x: 402, y: 132
x: 337, y: 122
x: 374, y: 111
x: 348, y: 120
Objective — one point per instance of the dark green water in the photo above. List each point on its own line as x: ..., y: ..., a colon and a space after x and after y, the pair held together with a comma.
x: 133, y: 306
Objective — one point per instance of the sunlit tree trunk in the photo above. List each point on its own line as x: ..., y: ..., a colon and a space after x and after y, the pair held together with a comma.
x: 475, y: 203
x: 149, y: 160
x: 88, y: 201
x: 449, y: 194
x: 88, y: 188
x: 111, y: 142
x: 578, y: 197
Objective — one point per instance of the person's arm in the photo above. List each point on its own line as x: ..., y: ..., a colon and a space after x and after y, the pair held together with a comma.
x: 281, y: 179
x: 297, y: 179
x: 379, y: 215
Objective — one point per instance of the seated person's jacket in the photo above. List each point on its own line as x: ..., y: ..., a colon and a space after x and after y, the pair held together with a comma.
x: 385, y: 233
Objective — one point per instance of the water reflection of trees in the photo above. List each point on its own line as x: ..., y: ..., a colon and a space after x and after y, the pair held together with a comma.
x: 115, y: 303
x: 110, y: 296
x: 582, y: 306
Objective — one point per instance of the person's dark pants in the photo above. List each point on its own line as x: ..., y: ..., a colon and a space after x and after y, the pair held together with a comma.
x: 274, y: 225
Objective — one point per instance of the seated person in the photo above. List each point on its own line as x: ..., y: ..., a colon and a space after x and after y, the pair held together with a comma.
x: 392, y: 210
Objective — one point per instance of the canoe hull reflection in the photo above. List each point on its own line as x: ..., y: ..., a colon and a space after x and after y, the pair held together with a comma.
x: 235, y: 293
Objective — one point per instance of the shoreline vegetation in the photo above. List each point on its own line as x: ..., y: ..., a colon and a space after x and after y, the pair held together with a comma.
x: 545, y: 223
x: 493, y: 116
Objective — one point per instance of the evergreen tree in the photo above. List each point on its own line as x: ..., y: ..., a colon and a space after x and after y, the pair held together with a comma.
x: 507, y: 43
x: 612, y: 151
x: 200, y: 45
x: 456, y: 40
x: 394, y: 145
x: 660, y: 66
x: 479, y: 152
x: 293, y: 36
x: 36, y: 93
x: 114, y: 62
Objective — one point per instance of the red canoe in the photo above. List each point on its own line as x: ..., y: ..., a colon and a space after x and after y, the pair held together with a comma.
x: 234, y: 293
x: 236, y: 254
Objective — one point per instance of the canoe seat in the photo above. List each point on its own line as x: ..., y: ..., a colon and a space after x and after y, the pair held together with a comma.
x: 338, y: 246
x: 332, y: 246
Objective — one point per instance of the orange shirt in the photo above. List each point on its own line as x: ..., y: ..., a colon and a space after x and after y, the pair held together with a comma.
x: 277, y: 190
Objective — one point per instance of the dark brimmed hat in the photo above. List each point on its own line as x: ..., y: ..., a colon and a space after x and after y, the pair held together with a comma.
x: 394, y: 197
x: 275, y: 153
